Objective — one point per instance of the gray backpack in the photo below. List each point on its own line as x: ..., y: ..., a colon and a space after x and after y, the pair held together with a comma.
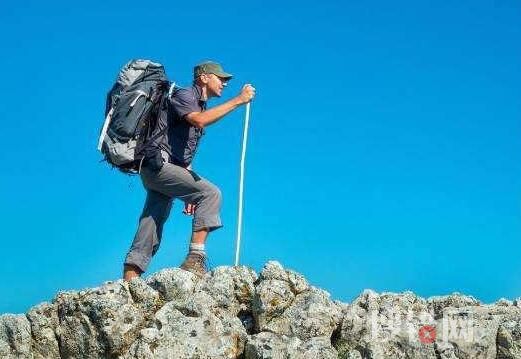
x: 133, y: 105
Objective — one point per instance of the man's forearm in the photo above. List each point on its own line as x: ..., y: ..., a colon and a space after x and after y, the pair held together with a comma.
x: 205, y: 118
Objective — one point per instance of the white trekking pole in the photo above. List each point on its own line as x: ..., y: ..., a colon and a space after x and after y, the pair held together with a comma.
x: 241, y: 183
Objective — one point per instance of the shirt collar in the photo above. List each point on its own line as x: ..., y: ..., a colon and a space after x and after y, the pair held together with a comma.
x: 198, y: 91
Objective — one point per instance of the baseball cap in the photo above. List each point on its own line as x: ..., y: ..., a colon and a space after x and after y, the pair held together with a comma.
x: 210, y: 67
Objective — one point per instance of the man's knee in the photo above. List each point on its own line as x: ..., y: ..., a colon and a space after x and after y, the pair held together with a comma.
x: 214, y: 195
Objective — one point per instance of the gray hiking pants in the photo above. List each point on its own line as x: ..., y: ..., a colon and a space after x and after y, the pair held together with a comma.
x: 163, y: 187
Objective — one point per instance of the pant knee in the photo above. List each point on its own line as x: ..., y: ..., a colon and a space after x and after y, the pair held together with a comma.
x: 215, y: 196
x: 217, y: 193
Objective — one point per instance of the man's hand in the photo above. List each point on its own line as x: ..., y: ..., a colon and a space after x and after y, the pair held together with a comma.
x: 189, y: 209
x: 247, y: 94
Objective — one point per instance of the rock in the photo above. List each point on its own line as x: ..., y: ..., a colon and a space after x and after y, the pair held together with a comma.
x: 274, y: 270
x: 190, y: 331
x: 15, y: 336
x: 509, y: 340
x: 233, y: 313
x: 173, y: 284
x: 44, y: 321
x: 385, y: 326
x: 99, y: 322
x: 232, y: 288
x: 272, y: 298
x: 504, y: 302
x: 474, y: 331
x: 317, y: 347
x: 455, y: 300
x: 271, y: 345
x: 285, y: 304
x: 405, y: 326
x: 144, y: 295
x: 313, y: 314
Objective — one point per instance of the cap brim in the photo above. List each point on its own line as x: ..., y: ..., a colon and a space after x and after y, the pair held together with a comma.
x: 223, y: 75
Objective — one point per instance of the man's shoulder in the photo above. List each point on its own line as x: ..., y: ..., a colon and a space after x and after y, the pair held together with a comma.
x: 184, y: 101
x: 184, y: 93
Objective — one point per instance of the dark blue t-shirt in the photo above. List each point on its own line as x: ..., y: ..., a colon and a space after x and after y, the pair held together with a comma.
x: 182, y: 137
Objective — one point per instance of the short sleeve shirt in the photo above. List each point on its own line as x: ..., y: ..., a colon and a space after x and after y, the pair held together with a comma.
x: 183, y: 137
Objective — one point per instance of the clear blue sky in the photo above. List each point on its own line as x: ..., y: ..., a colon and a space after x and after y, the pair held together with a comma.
x: 384, y: 143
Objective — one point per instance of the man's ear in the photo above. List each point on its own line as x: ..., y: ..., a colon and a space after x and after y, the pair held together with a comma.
x: 204, y: 78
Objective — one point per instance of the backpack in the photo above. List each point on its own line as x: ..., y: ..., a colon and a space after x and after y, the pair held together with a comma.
x: 133, y: 104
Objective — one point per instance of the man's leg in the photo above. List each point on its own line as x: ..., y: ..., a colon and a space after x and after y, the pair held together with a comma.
x: 178, y: 182
x: 148, y: 236
x: 199, y: 237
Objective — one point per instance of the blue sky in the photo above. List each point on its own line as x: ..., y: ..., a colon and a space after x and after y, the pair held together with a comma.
x: 384, y: 147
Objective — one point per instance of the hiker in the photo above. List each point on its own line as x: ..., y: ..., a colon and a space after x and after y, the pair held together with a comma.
x: 167, y: 173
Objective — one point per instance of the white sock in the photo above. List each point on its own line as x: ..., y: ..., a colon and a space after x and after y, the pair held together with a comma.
x: 197, y: 247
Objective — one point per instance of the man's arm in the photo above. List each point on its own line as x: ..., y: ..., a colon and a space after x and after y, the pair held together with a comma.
x: 205, y: 118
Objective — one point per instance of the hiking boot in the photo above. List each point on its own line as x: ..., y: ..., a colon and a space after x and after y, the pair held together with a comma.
x: 195, y: 263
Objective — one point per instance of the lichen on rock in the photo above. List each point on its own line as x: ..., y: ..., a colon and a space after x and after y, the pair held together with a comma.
x: 234, y: 313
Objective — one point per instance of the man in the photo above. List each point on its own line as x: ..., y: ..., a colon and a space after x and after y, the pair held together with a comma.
x: 167, y: 174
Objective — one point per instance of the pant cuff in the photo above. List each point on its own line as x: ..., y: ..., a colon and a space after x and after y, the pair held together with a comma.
x: 211, y: 224
x: 137, y: 260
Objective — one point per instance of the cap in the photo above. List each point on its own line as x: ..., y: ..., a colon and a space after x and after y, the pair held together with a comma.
x: 210, y: 67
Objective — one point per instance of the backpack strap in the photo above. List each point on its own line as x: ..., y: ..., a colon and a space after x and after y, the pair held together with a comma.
x: 171, y: 90
x: 105, y: 127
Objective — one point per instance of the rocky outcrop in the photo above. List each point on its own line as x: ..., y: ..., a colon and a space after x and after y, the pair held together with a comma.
x: 234, y: 313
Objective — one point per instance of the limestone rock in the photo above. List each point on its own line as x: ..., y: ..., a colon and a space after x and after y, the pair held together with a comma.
x: 509, y: 340
x: 455, y: 300
x: 44, y: 321
x: 15, y: 336
x: 232, y: 313
x: 173, y: 284
x: 190, y: 331
x: 232, y: 288
x: 99, y: 322
x: 271, y: 345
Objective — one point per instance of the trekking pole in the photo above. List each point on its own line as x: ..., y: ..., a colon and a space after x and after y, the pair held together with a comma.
x: 241, y: 183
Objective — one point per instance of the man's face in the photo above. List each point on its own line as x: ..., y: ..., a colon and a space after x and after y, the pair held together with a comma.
x: 215, y: 85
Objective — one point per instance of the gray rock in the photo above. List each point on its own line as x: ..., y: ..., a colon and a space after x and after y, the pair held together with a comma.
x: 232, y: 288
x: 503, y: 302
x: 285, y: 304
x: 173, y: 283
x: 313, y: 314
x: 99, y: 322
x: 474, y: 331
x: 190, y: 331
x: 455, y: 300
x: 517, y: 302
x: 146, y: 298
x: 232, y: 313
x: 44, y: 321
x: 509, y: 340
x: 395, y: 326
x: 385, y: 327
x: 317, y: 347
x: 272, y: 298
x: 270, y: 345
x: 267, y: 345
x: 274, y: 270
x: 15, y: 336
